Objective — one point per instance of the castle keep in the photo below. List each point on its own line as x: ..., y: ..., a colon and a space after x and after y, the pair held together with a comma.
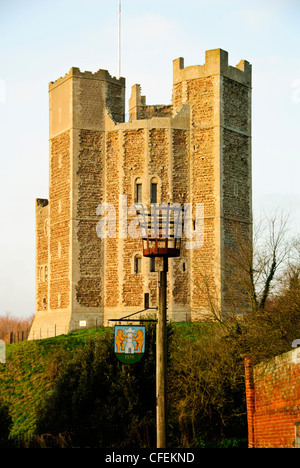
x: 196, y: 150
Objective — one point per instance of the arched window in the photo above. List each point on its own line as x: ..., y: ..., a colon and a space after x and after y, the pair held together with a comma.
x: 46, y: 273
x: 138, y: 264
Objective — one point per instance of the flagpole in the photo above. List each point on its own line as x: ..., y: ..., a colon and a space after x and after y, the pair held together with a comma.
x: 119, y: 40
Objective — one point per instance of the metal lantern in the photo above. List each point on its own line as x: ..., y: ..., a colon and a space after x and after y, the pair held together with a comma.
x: 161, y: 230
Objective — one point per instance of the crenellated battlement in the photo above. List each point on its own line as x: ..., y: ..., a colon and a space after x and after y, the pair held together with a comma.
x: 100, y: 75
x: 196, y: 150
x: 216, y: 63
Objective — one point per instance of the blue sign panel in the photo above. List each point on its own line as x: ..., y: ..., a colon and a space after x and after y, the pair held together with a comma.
x: 129, y: 343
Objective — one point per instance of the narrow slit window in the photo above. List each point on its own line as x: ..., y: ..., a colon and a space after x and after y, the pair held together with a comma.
x: 152, y: 264
x: 138, y: 192
x: 146, y: 301
x: 138, y: 264
x: 153, y: 192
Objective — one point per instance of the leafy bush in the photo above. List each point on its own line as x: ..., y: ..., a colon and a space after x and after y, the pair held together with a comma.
x: 5, y: 423
x: 206, y: 390
x: 99, y: 402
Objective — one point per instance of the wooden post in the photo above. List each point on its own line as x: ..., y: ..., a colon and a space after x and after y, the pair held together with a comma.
x: 161, y: 360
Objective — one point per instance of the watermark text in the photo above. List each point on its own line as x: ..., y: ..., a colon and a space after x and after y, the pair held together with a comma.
x: 162, y: 220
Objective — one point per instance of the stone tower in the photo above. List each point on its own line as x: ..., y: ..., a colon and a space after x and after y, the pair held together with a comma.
x: 196, y: 150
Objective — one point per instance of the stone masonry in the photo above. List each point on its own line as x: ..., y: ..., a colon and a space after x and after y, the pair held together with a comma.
x: 196, y: 150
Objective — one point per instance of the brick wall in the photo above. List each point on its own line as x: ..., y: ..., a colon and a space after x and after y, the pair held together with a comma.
x: 273, y: 401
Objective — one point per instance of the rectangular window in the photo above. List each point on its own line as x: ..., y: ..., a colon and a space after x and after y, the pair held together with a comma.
x: 146, y: 301
x: 138, y: 265
x: 153, y: 193
x: 152, y: 264
x: 138, y: 193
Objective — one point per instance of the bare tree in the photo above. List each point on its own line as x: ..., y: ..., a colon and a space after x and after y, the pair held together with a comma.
x: 251, y: 269
x: 10, y: 323
x: 273, y: 256
x: 261, y: 291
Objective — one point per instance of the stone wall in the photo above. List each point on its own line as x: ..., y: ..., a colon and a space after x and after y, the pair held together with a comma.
x: 197, y: 150
x: 181, y: 266
x: 112, y: 285
x: 133, y: 168
x: 219, y: 96
x: 42, y: 255
x: 236, y: 190
x: 90, y: 187
x: 60, y: 213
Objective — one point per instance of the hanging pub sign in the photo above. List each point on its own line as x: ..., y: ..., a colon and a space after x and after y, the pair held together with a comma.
x: 129, y: 343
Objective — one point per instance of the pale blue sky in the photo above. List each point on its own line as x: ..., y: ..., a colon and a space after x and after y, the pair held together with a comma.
x: 42, y: 39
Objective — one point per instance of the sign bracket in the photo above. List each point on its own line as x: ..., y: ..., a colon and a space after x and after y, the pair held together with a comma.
x: 126, y: 318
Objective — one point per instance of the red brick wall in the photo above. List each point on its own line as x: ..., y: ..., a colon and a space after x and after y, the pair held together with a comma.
x: 273, y: 401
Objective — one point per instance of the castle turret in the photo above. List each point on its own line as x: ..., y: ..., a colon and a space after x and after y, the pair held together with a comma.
x: 72, y: 289
x: 219, y: 96
x: 196, y: 151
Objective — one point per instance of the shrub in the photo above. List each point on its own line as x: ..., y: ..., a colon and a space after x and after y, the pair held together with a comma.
x: 99, y: 402
x: 5, y: 423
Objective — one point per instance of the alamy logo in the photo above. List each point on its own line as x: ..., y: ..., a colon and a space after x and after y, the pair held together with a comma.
x: 296, y: 343
x: 174, y: 220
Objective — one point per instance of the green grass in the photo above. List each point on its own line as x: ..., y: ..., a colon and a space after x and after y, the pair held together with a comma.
x: 193, y: 330
x: 28, y: 375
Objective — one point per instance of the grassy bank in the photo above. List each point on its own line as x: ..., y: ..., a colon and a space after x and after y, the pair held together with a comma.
x: 29, y: 372
x: 199, y: 395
